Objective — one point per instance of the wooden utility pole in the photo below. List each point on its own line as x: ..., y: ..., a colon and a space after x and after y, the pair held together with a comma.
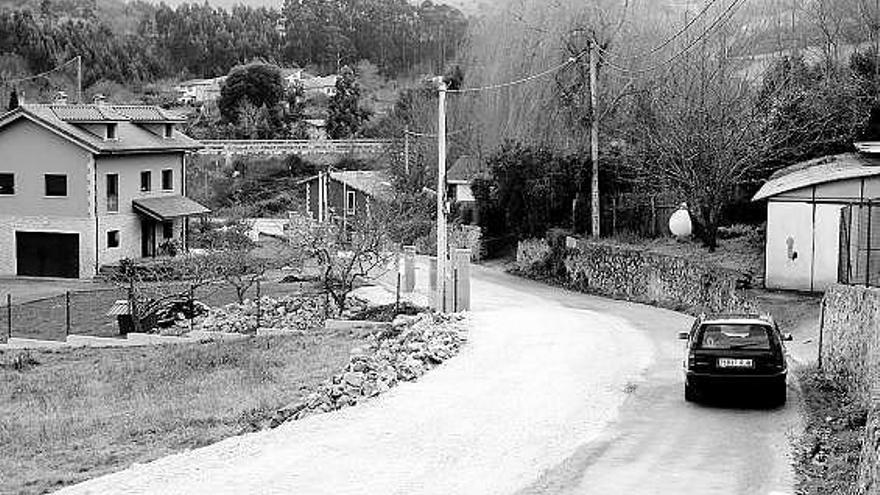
x: 406, y: 150
x: 594, y: 138
x: 79, y: 79
x: 441, y: 201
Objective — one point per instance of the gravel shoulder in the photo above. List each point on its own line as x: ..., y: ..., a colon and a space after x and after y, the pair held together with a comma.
x: 537, y: 380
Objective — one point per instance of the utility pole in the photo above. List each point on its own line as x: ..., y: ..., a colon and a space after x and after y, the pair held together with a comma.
x: 442, y: 261
x: 406, y: 149
x: 79, y: 79
x: 594, y: 138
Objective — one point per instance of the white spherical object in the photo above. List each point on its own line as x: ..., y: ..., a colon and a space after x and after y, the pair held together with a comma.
x: 680, y: 222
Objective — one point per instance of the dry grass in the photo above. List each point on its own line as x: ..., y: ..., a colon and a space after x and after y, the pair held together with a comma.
x: 70, y: 415
x: 827, y: 454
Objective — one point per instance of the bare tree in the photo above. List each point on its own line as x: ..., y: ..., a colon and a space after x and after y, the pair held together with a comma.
x: 702, y: 129
x: 343, y: 255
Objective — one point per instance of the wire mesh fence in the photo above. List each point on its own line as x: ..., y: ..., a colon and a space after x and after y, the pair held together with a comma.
x: 88, y: 312
x: 859, y: 262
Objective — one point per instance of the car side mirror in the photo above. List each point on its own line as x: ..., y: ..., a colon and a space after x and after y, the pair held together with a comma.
x: 787, y: 337
x: 683, y: 335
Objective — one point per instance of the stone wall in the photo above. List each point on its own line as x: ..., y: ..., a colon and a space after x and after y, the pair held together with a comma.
x: 851, y: 350
x: 630, y: 274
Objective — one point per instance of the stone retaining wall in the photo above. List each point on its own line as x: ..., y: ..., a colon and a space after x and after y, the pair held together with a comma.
x: 625, y: 273
x: 851, y: 350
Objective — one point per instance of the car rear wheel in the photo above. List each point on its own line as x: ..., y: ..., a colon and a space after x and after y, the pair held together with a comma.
x: 690, y: 392
x: 780, y: 393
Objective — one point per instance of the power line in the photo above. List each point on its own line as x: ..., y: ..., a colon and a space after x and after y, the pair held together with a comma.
x: 547, y: 72
x: 42, y: 74
x: 728, y: 13
x: 427, y: 135
x: 680, y: 32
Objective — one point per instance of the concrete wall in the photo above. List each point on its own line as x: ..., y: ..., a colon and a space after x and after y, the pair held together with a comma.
x: 29, y: 151
x: 851, y: 350
x: 126, y: 221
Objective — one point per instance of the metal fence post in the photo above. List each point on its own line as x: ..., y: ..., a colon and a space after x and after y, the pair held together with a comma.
x: 821, y: 331
x: 259, y: 305
x: 868, y: 250
x: 8, y: 316
x: 192, y: 305
x: 66, y: 313
x: 397, y: 300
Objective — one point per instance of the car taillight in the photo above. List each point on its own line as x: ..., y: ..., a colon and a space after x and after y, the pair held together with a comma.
x: 691, y: 359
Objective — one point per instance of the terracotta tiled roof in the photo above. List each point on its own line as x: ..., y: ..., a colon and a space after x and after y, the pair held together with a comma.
x: 132, y: 137
x: 819, y: 171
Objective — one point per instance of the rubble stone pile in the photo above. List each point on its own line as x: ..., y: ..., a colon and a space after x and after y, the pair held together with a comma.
x: 292, y: 313
x: 410, y: 348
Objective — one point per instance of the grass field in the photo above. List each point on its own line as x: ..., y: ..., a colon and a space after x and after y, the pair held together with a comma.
x: 70, y: 415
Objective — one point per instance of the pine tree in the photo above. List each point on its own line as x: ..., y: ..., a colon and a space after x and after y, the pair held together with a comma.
x: 346, y: 116
x: 13, y: 101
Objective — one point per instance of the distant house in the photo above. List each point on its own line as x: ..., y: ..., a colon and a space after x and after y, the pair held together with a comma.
x: 83, y: 186
x: 323, y: 85
x: 339, y: 196
x: 312, y: 85
x: 821, y: 227
x: 196, y: 91
x: 458, y: 189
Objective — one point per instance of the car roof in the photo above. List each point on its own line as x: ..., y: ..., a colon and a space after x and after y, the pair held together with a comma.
x: 736, y: 319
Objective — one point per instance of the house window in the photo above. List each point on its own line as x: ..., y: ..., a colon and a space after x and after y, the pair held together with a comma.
x: 112, y: 192
x: 146, y: 180
x: 56, y: 185
x: 167, y: 180
x: 349, y: 202
x: 112, y: 238
x: 167, y: 230
x: 111, y: 131
x: 7, y: 183
x: 169, y: 131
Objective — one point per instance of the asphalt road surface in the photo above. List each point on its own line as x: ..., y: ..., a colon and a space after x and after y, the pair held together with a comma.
x: 556, y: 392
x: 661, y: 444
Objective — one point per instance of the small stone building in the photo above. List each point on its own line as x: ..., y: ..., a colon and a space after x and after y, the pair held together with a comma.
x: 823, y: 222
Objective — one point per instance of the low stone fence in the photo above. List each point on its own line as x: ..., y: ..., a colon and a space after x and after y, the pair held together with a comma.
x: 626, y: 273
x: 851, y: 350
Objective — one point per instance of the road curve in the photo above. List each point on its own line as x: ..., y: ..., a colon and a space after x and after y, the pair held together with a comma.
x: 661, y: 444
x: 539, y: 380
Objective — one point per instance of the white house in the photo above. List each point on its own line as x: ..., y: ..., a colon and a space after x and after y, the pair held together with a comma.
x: 821, y: 228
x: 82, y: 186
x: 199, y: 90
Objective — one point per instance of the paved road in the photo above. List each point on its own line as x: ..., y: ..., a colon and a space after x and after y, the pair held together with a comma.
x: 556, y: 392
x: 662, y: 445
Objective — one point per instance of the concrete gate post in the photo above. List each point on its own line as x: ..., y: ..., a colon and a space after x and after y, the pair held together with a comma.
x: 409, y: 269
x: 432, y: 282
x: 462, y: 279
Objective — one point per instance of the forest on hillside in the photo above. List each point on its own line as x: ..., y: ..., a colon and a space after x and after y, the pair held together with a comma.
x: 136, y: 43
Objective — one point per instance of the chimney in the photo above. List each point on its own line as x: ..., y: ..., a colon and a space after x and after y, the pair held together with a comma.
x: 60, y: 98
x: 99, y: 99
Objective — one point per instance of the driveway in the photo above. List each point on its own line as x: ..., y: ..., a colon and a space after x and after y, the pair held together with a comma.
x: 556, y: 392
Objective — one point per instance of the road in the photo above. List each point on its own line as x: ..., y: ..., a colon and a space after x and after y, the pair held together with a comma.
x: 556, y: 392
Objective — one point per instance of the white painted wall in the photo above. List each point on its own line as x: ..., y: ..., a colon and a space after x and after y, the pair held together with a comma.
x: 826, y: 252
x: 789, y: 267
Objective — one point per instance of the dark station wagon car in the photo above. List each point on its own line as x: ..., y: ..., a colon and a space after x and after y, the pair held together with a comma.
x: 730, y: 349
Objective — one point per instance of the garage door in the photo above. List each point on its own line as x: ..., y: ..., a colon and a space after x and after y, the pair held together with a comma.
x: 46, y: 254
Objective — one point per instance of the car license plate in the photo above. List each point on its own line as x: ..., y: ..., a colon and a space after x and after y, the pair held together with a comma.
x: 734, y: 363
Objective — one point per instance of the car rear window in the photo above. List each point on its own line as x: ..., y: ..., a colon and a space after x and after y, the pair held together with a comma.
x: 733, y: 336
